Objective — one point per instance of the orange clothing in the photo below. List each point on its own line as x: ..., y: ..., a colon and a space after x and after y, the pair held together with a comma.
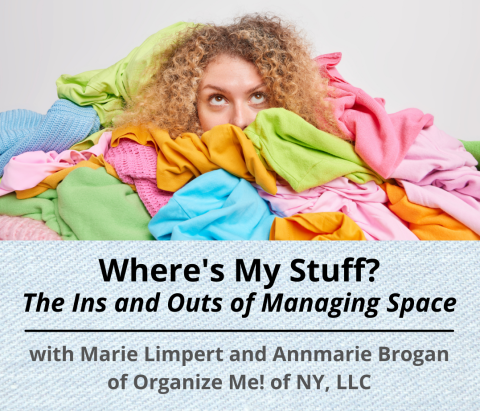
x: 53, y: 180
x: 316, y: 226
x: 188, y: 156
x: 426, y: 223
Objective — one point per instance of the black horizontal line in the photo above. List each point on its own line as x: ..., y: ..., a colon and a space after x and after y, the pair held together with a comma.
x: 239, y: 331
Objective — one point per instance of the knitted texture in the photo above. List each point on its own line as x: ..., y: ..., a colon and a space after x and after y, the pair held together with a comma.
x: 137, y: 164
x: 64, y: 125
x: 22, y: 228
x: 15, y: 125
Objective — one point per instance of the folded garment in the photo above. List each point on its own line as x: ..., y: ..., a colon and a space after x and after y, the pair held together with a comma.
x: 302, y: 154
x: 438, y: 172
x: 473, y: 147
x: 28, y: 169
x: 214, y: 206
x: 365, y: 204
x: 21, y: 228
x: 381, y: 139
x: 427, y: 223
x: 188, y: 156
x: 88, y: 205
x: 107, y: 90
x: 64, y: 125
x: 316, y: 227
x: 136, y: 164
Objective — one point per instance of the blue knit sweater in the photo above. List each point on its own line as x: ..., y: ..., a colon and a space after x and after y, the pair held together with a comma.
x: 64, y: 125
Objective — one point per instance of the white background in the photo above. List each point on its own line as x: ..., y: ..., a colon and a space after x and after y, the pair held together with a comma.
x: 414, y: 53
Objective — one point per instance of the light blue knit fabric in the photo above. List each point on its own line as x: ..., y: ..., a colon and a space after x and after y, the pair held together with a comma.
x: 64, y: 125
x: 15, y: 125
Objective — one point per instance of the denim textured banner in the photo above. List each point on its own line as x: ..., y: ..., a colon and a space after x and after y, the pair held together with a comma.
x: 412, y: 270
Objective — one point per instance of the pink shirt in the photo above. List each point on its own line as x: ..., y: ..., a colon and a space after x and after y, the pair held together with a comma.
x: 28, y: 169
x: 363, y: 203
x: 381, y: 139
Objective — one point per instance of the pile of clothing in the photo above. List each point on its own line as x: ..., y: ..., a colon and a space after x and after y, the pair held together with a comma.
x: 66, y: 176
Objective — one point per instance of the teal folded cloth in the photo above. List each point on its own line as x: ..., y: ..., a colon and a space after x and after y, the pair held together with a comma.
x: 64, y: 125
x: 214, y: 206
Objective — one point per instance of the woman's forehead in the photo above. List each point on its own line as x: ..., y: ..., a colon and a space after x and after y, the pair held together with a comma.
x: 227, y: 73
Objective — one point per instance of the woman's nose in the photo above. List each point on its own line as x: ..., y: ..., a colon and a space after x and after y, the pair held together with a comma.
x: 242, y: 116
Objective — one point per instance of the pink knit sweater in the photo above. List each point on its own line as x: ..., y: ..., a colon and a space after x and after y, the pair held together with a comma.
x: 21, y: 228
x: 137, y: 164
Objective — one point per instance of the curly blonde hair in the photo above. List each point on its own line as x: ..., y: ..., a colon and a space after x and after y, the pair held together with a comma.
x: 280, y: 54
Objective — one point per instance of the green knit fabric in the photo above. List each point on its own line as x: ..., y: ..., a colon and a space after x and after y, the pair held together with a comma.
x: 107, y: 90
x: 473, y: 147
x: 88, y: 205
x: 42, y: 208
x: 303, y: 155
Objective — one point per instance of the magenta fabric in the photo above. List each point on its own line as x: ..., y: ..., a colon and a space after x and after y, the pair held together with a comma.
x: 28, y: 169
x: 363, y: 203
x: 137, y: 164
x: 381, y: 139
x: 22, y: 228
x: 438, y: 172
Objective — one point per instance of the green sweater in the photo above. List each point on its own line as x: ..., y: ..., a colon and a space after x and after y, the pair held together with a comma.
x: 87, y: 205
x: 107, y: 90
x: 302, y: 154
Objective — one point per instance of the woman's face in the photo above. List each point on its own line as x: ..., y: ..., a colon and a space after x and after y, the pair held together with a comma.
x: 231, y: 92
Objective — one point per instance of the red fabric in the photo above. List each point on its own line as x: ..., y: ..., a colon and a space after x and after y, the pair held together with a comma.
x: 381, y: 139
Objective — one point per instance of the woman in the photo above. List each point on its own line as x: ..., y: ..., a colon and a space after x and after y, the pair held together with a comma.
x: 213, y: 75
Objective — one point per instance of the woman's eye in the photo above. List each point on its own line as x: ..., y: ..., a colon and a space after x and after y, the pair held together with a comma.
x: 217, y: 100
x: 258, y: 98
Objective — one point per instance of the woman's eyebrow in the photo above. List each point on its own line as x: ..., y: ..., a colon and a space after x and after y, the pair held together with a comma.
x: 251, y: 90
x: 255, y: 88
x: 214, y: 87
